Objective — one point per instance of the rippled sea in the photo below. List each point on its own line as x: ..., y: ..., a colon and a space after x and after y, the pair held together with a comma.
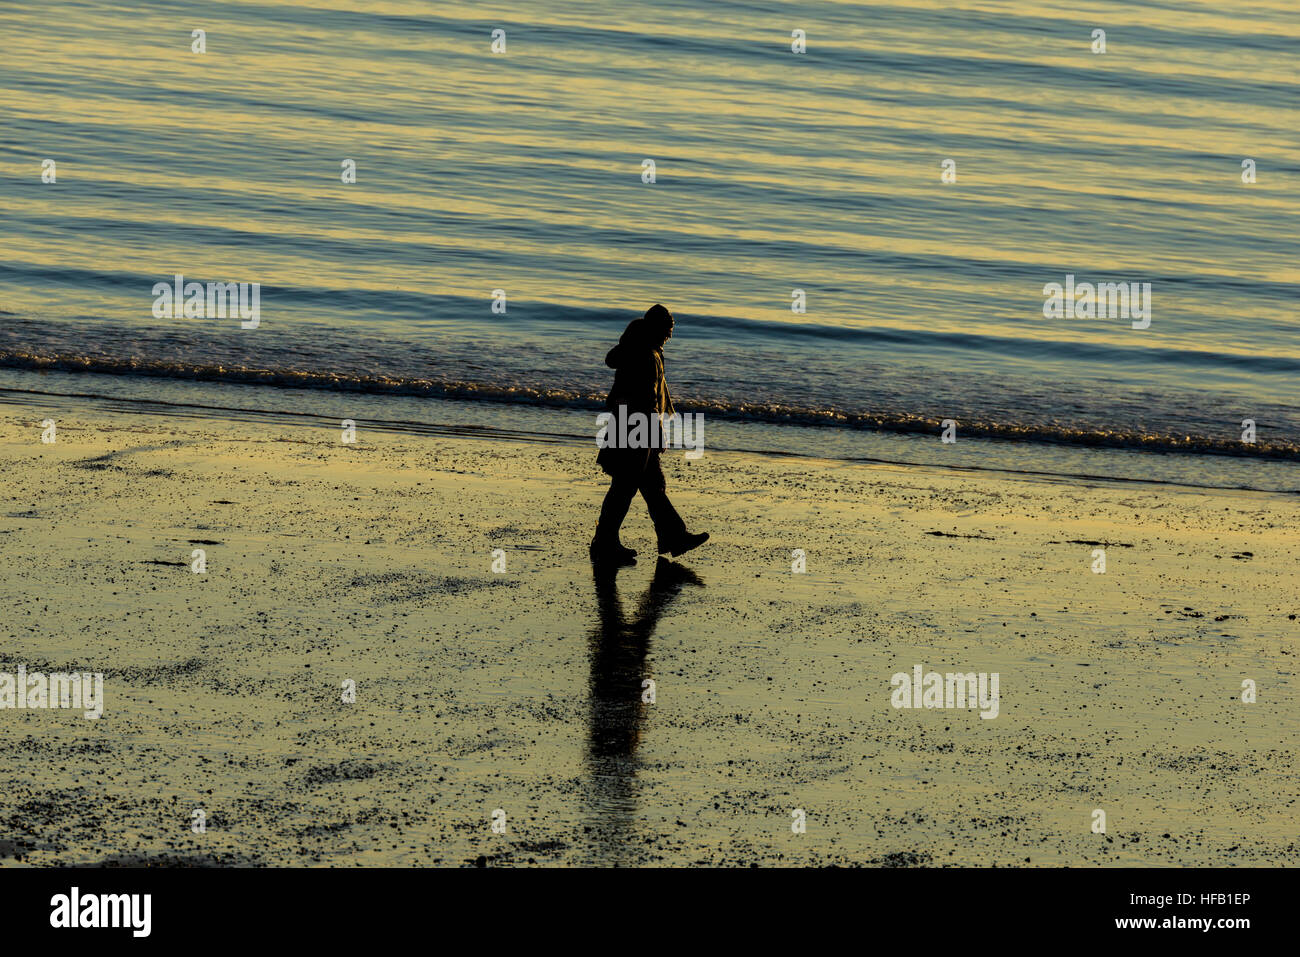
x: 774, y: 171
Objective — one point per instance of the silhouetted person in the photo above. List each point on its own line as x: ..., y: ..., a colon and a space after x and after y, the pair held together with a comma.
x: 639, y: 387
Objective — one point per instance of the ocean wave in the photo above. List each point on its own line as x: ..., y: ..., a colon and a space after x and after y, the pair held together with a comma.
x: 765, y: 412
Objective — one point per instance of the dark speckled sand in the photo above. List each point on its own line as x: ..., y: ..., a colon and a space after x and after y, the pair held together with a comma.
x: 479, y: 691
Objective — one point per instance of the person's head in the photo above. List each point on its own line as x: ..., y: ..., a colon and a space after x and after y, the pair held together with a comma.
x: 659, y: 322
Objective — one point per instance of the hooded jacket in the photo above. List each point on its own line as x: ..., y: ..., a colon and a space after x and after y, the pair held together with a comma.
x: 639, y: 383
x: 638, y: 364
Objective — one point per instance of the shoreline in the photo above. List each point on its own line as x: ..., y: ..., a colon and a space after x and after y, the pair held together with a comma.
x: 501, y: 412
x: 1209, y: 436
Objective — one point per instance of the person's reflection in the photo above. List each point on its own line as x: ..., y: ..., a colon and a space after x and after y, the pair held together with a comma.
x: 618, y: 652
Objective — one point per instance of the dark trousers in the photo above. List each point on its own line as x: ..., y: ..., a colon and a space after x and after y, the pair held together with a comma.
x: 648, y: 479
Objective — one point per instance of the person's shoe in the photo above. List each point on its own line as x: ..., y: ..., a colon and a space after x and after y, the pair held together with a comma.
x: 682, y: 545
x: 611, y: 553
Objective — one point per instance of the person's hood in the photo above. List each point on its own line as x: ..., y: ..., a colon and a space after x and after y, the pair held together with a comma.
x: 634, y: 342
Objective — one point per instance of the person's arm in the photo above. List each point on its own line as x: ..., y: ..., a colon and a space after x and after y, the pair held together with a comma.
x: 641, y: 384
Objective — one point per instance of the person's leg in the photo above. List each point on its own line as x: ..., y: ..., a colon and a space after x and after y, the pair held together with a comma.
x: 654, y: 489
x: 622, y: 489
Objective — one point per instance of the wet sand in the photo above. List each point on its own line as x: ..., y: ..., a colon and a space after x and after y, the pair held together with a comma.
x: 521, y: 691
